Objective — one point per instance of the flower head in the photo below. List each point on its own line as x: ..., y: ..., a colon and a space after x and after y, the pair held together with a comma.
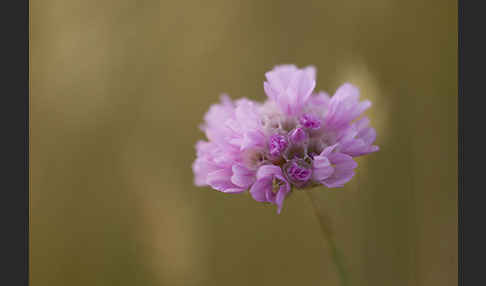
x: 296, y: 139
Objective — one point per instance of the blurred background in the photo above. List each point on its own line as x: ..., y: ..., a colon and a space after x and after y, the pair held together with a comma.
x: 118, y: 89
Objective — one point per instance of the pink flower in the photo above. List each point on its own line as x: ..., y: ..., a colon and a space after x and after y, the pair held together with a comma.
x: 290, y: 87
x: 344, y: 107
x: 271, y: 186
x: 333, y: 169
x: 358, y: 138
x: 296, y: 139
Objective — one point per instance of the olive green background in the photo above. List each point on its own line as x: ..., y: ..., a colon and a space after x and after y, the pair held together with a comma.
x: 118, y: 89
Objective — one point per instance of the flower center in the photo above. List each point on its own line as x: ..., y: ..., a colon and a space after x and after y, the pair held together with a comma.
x: 276, y: 184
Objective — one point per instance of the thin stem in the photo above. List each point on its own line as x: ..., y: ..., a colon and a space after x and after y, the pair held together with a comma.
x: 335, y: 255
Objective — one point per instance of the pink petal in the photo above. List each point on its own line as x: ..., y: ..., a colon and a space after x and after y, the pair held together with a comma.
x: 242, y: 176
x: 268, y: 171
x: 259, y: 188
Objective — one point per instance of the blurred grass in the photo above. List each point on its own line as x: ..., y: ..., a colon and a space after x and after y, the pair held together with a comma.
x: 118, y: 89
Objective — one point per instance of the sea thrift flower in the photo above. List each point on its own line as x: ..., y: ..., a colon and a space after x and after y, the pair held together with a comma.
x: 296, y: 139
x: 271, y: 186
x: 333, y: 169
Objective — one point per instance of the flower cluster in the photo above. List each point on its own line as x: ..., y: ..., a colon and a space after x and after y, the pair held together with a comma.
x: 296, y: 139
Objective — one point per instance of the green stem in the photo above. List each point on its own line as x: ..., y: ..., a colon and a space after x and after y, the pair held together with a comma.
x: 335, y: 254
